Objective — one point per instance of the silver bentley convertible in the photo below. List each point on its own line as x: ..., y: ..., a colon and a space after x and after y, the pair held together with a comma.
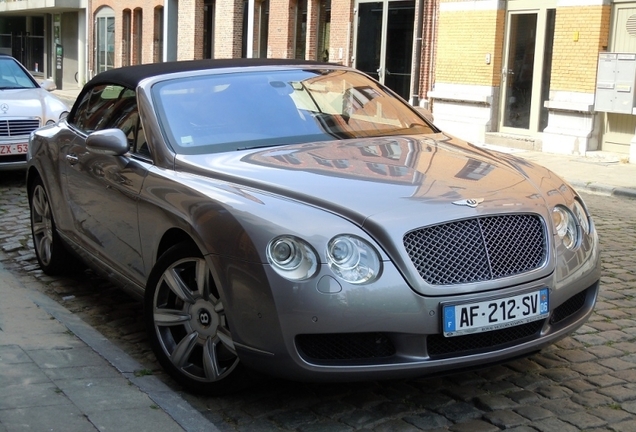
x: 300, y: 219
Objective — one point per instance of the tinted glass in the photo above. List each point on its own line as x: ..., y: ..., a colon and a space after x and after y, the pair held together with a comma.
x: 226, y: 112
x: 100, y: 107
x: 12, y: 76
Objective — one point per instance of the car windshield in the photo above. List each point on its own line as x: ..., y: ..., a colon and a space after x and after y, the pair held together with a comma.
x: 235, y: 111
x: 12, y: 76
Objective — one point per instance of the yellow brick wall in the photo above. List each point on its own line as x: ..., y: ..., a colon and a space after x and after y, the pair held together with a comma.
x: 464, y: 39
x: 574, y: 62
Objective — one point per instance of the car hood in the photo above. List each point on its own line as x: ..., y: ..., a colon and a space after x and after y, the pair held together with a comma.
x: 398, y: 181
x: 33, y: 102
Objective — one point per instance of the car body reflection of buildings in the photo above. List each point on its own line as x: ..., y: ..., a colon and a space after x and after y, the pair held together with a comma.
x: 421, y: 162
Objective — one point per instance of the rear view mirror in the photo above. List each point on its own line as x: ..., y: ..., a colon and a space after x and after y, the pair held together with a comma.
x: 48, y: 85
x: 110, y: 142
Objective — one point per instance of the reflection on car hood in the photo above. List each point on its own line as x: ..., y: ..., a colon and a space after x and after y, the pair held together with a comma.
x: 384, y: 179
x: 30, y: 103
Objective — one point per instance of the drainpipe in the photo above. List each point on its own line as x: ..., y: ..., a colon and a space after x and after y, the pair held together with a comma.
x: 415, y: 79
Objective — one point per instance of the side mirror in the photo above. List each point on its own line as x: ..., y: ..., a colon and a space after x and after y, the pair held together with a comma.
x: 427, y: 114
x: 48, y: 85
x: 109, y: 142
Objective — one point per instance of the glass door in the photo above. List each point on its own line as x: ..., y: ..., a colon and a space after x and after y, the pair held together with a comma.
x: 519, y: 70
x: 526, y: 72
x: 368, y: 51
x: 384, y: 42
x: 105, y: 40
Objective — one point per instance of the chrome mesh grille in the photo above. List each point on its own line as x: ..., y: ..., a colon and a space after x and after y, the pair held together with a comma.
x: 476, y: 250
x: 18, y: 127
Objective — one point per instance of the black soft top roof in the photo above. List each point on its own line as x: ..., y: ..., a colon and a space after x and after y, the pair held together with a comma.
x: 131, y: 76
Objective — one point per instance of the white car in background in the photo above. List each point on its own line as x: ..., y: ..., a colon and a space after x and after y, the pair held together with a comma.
x: 25, y: 106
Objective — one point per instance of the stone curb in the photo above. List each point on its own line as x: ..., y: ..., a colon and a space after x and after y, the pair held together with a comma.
x: 605, y: 189
x: 168, y: 400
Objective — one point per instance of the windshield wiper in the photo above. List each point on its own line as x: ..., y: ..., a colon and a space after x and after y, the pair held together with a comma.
x: 12, y: 88
x: 258, y: 147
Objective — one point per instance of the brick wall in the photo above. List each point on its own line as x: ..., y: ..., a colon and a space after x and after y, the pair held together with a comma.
x: 341, y: 37
x: 464, y: 40
x: 580, y: 34
x: 228, y: 29
x: 147, y: 28
x: 282, y: 20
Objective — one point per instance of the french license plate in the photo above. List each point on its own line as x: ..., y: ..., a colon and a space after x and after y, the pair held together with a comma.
x: 11, y: 149
x: 495, y: 314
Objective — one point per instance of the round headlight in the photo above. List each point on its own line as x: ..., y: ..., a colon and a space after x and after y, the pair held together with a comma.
x: 566, y: 227
x: 581, y: 217
x: 292, y: 258
x: 344, y: 253
x: 353, y: 259
x: 50, y: 122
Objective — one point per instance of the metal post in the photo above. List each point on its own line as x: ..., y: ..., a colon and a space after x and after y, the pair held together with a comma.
x: 415, y: 79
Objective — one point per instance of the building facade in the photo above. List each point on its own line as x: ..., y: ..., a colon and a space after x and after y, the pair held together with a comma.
x: 514, y: 72
x: 378, y: 37
x: 524, y: 73
x: 48, y: 37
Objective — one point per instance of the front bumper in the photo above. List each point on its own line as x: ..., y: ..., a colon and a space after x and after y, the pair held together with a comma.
x: 383, y: 330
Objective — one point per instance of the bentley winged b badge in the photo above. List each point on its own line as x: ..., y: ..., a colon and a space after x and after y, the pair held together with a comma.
x: 470, y: 202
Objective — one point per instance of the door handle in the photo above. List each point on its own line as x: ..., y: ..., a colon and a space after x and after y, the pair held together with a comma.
x: 72, y: 158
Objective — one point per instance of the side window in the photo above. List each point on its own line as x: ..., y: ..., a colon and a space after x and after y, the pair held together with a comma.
x: 126, y: 118
x: 112, y: 106
x: 141, y: 146
x: 97, y: 107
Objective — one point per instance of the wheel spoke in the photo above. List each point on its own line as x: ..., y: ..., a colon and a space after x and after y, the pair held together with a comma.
x: 168, y: 317
x: 226, y: 338
x: 39, y: 228
x: 203, y: 279
x: 44, y: 249
x: 210, y: 361
x: 184, y: 348
x: 178, y: 286
x: 40, y: 203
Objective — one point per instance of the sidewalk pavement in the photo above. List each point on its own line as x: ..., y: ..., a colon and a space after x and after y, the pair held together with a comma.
x: 596, y: 172
x: 59, y: 374
x: 68, y: 95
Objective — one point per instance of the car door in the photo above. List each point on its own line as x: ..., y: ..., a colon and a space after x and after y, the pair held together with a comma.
x: 102, y: 190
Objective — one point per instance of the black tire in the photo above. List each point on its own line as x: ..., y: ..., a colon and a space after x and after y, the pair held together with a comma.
x: 187, y: 325
x: 53, y: 256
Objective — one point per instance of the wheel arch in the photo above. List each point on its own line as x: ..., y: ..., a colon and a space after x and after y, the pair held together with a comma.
x: 172, y: 237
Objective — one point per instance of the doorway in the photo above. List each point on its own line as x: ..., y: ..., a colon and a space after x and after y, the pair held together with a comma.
x: 527, y: 69
x: 383, y: 45
x: 104, y: 40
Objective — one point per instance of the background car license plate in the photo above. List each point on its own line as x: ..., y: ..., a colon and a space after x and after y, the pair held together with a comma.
x: 495, y: 314
x: 9, y: 149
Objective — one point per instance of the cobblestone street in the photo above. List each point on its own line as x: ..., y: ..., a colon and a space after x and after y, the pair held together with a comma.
x: 584, y: 382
